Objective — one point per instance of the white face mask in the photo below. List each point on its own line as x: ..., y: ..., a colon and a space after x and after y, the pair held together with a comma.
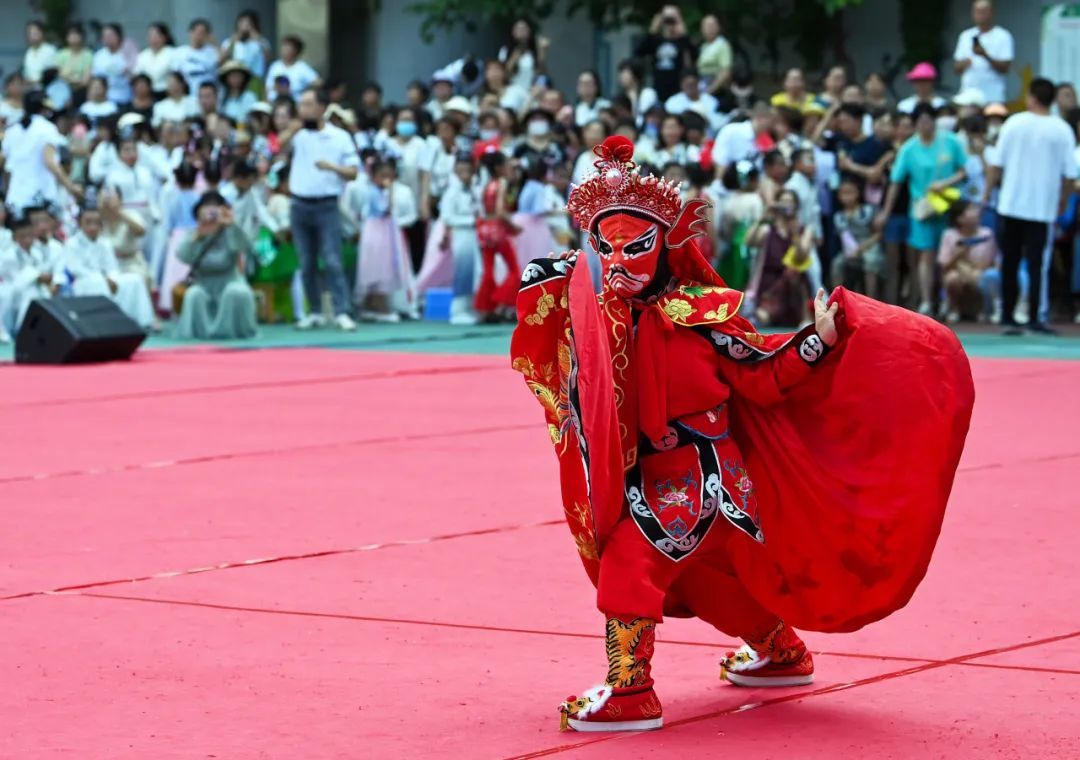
x: 946, y: 123
x: 538, y: 128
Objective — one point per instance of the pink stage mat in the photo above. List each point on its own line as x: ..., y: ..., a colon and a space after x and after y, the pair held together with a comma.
x: 306, y: 553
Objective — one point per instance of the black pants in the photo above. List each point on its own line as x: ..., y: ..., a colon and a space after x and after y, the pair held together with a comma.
x: 416, y: 237
x: 1021, y: 239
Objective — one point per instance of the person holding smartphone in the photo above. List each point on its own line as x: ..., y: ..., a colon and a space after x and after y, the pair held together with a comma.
x: 984, y: 54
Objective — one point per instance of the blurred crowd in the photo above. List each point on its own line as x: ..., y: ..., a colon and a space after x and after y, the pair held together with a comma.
x: 223, y: 183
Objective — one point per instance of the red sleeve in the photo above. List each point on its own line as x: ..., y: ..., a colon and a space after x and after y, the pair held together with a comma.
x: 766, y: 379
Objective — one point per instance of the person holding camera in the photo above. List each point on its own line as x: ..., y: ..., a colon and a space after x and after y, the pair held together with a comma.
x: 984, y: 54
x: 670, y: 49
x: 218, y: 303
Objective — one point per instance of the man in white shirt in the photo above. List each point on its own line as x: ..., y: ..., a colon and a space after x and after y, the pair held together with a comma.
x: 324, y: 159
x: 984, y: 54
x: 738, y: 140
x: 198, y: 60
x: 40, y: 55
x: 691, y: 98
x: 291, y: 66
x: 110, y: 63
x: 1035, y: 164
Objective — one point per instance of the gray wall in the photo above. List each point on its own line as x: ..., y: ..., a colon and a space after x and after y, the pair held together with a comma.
x: 385, y: 45
x: 134, y: 16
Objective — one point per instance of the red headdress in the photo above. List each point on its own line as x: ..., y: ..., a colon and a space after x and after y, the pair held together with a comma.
x: 617, y: 186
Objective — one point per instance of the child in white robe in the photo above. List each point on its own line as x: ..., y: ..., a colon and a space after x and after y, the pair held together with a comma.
x: 458, y: 211
x: 89, y: 265
x: 24, y: 275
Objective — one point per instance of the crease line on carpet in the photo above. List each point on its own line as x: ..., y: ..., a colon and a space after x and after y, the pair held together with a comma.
x: 255, y: 453
x: 234, y: 387
x: 283, y: 558
x: 533, y: 631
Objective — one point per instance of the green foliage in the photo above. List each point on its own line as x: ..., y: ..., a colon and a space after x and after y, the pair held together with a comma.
x: 921, y: 23
x: 755, y: 15
x: 56, y: 13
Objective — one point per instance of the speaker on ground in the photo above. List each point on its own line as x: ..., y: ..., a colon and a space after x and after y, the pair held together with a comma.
x: 76, y: 331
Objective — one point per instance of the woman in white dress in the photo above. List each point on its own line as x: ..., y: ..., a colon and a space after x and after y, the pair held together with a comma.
x: 31, y: 159
x: 524, y: 54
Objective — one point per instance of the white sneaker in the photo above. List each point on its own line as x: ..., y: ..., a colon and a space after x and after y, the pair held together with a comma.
x: 952, y: 317
x: 926, y: 309
x: 345, y: 322
x: 4, y: 336
x: 310, y: 321
x: 1020, y: 314
x: 1076, y: 320
x: 461, y: 311
x: 381, y: 317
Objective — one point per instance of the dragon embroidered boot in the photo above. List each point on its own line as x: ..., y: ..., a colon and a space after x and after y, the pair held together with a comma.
x: 778, y: 659
x: 626, y: 701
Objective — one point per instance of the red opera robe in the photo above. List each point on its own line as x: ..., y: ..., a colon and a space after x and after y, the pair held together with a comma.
x: 852, y: 460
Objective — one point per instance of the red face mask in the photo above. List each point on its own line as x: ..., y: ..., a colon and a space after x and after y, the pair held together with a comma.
x: 629, y: 249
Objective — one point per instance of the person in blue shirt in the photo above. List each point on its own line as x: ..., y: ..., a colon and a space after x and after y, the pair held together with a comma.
x: 929, y: 162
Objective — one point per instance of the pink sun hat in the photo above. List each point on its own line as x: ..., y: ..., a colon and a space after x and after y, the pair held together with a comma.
x: 922, y: 72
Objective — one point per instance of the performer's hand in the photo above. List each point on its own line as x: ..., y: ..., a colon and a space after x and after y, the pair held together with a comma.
x: 825, y: 318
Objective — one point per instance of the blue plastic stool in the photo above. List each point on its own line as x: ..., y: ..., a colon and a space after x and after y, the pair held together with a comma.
x: 437, y: 304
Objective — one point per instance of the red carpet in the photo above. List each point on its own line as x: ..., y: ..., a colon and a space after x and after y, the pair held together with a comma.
x: 291, y: 554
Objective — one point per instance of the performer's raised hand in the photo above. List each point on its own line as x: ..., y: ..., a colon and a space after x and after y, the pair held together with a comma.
x: 825, y: 318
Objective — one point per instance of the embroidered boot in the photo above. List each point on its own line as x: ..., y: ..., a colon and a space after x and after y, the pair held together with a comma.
x: 779, y: 659
x: 626, y: 701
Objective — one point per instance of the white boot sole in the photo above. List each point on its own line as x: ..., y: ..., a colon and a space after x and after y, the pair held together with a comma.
x: 740, y: 679
x: 623, y: 725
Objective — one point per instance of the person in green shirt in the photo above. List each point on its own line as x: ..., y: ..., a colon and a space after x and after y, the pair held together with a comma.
x: 929, y: 162
x: 73, y: 61
x: 219, y: 303
x: 714, y: 58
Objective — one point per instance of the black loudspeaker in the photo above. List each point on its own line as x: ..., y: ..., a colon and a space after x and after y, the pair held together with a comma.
x: 75, y: 331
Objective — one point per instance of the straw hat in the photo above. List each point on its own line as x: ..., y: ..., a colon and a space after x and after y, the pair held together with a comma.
x: 460, y: 104
x: 229, y: 67
x: 347, y: 115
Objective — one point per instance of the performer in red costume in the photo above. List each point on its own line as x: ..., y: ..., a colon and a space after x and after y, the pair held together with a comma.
x: 757, y: 482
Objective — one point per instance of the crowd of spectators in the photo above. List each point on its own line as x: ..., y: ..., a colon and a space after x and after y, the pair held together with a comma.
x: 222, y: 183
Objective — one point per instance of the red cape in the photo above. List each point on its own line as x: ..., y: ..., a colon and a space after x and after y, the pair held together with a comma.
x: 853, y: 469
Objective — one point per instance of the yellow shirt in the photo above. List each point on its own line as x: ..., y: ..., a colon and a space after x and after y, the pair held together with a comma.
x: 781, y: 100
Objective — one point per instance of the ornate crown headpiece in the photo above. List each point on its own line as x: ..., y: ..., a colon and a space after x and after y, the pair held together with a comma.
x: 617, y: 186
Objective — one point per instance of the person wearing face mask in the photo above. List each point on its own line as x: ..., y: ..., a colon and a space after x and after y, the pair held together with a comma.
x: 410, y: 149
x: 947, y: 120
x: 712, y: 471
x: 490, y: 136
x: 540, y: 143
x: 323, y: 159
